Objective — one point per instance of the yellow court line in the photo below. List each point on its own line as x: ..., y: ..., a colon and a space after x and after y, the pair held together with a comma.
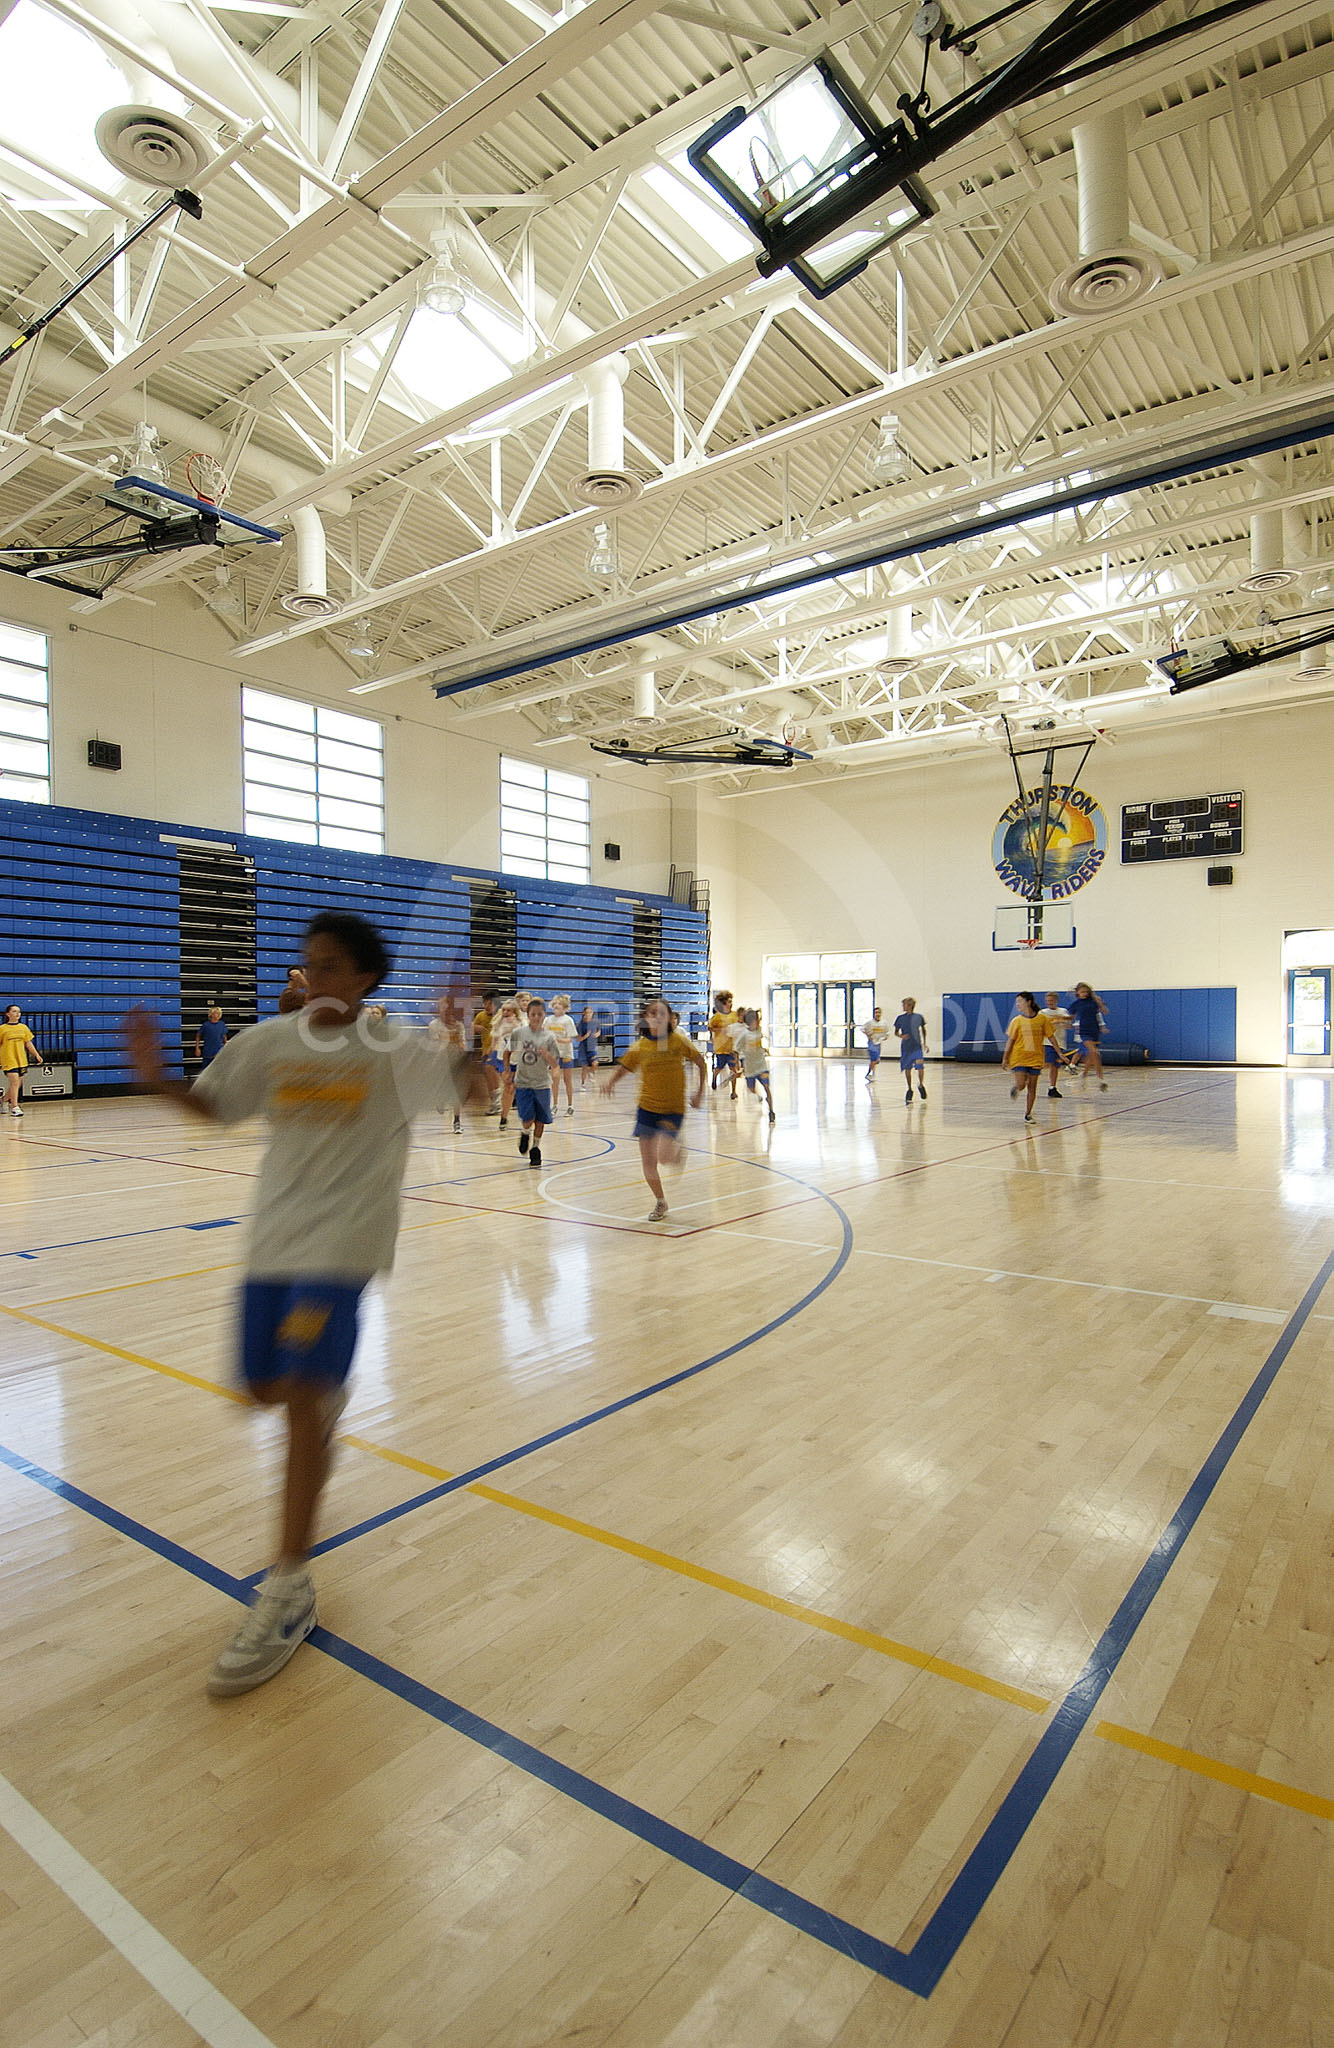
x: 122, y: 1286
x: 903, y: 1653
x: 1207, y: 1767
x: 170, y: 1372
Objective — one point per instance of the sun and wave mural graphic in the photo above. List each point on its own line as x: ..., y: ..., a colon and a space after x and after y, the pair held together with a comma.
x: 1076, y: 842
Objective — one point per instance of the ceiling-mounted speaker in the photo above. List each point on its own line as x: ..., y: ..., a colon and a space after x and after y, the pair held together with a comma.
x: 156, y: 148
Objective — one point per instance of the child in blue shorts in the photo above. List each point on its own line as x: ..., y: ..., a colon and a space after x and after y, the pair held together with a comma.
x: 339, y: 1091
x: 532, y: 1059
x: 910, y: 1030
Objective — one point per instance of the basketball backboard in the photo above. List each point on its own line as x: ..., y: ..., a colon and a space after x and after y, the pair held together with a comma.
x: 1033, y: 927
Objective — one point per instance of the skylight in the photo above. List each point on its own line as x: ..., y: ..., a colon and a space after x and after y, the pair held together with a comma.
x: 444, y: 359
x: 58, y: 82
x: 680, y: 188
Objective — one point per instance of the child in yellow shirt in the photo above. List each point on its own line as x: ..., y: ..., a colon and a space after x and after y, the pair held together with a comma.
x: 659, y: 1058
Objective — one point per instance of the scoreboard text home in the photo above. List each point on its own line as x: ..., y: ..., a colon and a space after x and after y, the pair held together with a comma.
x: 1183, y: 828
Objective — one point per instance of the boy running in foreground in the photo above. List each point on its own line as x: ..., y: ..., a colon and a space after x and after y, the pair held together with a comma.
x: 339, y: 1092
x: 659, y: 1059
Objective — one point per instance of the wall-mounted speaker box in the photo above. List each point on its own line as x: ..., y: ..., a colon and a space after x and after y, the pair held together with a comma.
x: 610, y: 850
x: 1219, y: 878
x: 103, y: 754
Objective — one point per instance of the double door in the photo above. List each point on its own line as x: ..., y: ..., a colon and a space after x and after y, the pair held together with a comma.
x: 819, y: 1018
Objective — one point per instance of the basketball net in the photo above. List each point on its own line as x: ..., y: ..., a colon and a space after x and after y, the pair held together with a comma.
x: 207, y: 479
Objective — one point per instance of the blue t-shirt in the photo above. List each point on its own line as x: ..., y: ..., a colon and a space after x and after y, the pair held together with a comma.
x: 212, y: 1037
x: 912, y: 1024
x: 1087, y: 1016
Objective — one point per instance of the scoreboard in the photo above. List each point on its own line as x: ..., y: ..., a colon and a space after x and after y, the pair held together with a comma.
x: 1182, y: 828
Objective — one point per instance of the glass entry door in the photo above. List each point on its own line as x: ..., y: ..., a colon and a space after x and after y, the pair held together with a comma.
x: 1308, y: 1013
x: 820, y: 1017
x: 835, y: 1019
x: 782, y: 1018
x: 806, y: 996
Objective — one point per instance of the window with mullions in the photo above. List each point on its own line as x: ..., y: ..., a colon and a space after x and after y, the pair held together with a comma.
x: 25, y: 717
x: 312, y: 775
x: 544, y: 822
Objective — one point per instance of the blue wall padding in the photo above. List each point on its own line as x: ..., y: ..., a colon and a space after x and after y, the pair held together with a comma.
x: 1174, y: 1023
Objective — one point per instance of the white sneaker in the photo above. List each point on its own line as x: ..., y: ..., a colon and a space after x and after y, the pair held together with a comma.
x: 278, y: 1623
x: 658, y: 1213
x: 16, y: 1112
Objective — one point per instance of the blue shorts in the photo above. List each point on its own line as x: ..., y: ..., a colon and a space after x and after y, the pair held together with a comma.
x: 298, y: 1329
x: 910, y: 1055
x: 722, y: 1060
x: 1090, y: 1040
x: 873, y: 1053
x: 587, y: 1056
x: 760, y: 1074
x: 657, y: 1123
x: 533, y: 1105
x: 567, y: 1066
x: 1051, y: 1054
x: 493, y: 1061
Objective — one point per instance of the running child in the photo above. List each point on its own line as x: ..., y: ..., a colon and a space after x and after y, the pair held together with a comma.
x: 910, y: 1030
x: 532, y: 1063
x: 1088, y: 1010
x: 1025, y: 1049
x: 586, y: 1045
x: 339, y: 1094
x: 502, y: 1030
x: 754, y: 1058
x: 659, y: 1058
x: 16, y: 1044
x: 563, y: 1029
x: 722, y: 1026
x: 875, y: 1032
x: 483, y: 1034
x: 1054, y: 1052
x: 446, y: 1029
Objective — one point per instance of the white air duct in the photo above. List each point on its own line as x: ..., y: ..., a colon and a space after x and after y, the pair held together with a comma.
x: 646, y: 698
x: 898, y: 637
x: 1268, y: 567
x: 1111, y: 272
x: 310, y: 599
x: 606, y: 483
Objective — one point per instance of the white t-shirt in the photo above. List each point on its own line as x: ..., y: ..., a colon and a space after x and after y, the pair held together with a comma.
x: 1058, y: 1019
x: 526, y: 1049
x: 340, y: 1110
x: 750, y: 1045
x: 563, y: 1029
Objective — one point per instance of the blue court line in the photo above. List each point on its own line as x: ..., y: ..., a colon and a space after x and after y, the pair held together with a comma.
x: 920, y: 1968
x: 554, y: 1436
x: 939, y: 1941
x: 636, y: 1820
x: 69, y: 1244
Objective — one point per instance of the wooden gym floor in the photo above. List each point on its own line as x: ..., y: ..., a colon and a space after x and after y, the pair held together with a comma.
x: 889, y: 1604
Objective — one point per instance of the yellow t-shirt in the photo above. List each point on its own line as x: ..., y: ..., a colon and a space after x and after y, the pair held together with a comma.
x: 721, y: 1024
x: 660, y: 1065
x: 14, y: 1042
x: 1025, y: 1040
x: 483, y: 1024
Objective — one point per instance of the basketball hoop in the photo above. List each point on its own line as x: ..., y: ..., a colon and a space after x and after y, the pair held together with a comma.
x: 1029, y: 945
x: 207, y: 479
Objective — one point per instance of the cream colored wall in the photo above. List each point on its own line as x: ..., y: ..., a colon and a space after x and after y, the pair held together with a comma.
x: 162, y: 681
x: 901, y: 865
